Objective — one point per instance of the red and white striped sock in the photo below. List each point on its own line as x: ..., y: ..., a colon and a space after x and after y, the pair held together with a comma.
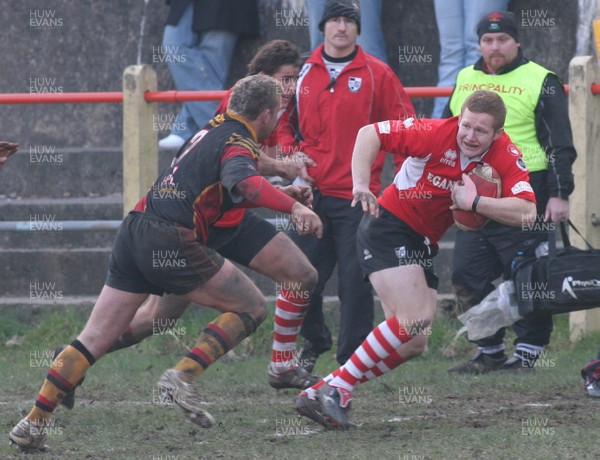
x: 379, y: 344
x: 383, y: 367
x: 290, y: 309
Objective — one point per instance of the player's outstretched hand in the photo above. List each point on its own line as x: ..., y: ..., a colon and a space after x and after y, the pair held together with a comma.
x: 294, y: 166
x: 305, y: 221
x: 301, y: 193
x: 367, y: 200
x: 303, y: 172
x: 6, y: 150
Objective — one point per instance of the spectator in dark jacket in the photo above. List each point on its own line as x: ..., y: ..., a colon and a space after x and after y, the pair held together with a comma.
x: 537, y: 120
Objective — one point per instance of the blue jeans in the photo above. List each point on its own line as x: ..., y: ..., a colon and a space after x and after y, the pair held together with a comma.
x: 371, y: 37
x: 457, y: 22
x: 196, y: 62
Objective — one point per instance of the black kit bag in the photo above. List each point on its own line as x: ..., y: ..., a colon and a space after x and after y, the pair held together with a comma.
x: 562, y: 281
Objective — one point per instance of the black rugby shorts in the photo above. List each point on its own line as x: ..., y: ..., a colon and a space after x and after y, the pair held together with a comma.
x: 387, y: 242
x: 154, y: 256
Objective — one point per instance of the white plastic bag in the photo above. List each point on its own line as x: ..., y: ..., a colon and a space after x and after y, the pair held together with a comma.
x: 499, y: 309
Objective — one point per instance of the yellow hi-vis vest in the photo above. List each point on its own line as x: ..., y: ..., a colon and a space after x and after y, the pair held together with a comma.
x: 520, y: 89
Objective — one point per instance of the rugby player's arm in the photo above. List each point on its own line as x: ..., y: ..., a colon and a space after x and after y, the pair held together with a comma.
x: 509, y: 210
x: 366, y: 149
x: 267, y: 165
x: 240, y: 176
x: 259, y: 192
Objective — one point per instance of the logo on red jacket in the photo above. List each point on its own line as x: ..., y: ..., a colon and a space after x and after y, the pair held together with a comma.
x: 354, y: 84
x: 521, y: 164
x: 512, y: 149
x: 449, y: 158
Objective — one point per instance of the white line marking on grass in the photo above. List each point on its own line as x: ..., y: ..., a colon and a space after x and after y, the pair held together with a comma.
x: 469, y: 411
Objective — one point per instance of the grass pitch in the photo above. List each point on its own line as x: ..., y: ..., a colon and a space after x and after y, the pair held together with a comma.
x: 416, y: 412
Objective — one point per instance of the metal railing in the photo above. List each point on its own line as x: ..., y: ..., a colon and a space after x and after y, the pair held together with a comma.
x: 144, y: 89
x: 140, y: 150
x: 183, y: 96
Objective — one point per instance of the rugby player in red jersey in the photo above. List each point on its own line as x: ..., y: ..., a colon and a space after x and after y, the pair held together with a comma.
x: 398, y: 235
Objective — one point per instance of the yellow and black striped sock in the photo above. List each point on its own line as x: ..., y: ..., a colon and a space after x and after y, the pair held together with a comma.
x: 219, y: 336
x: 66, y: 370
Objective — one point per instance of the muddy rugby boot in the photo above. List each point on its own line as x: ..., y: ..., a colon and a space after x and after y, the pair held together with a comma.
x: 292, y: 377
x: 311, y: 408
x: 28, y: 436
x: 336, y: 404
x: 173, y: 390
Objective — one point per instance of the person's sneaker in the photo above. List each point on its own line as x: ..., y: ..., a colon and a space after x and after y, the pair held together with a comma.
x: 173, y: 390
x: 592, y: 388
x: 292, y: 377
x: 311, y: 408
x: 171, y: 142
x: 519, y: 365
x: 307, y: 358
x: 479, y: 364
x: 336, y: 403
x: 28, y: 436
x: 69, y: 400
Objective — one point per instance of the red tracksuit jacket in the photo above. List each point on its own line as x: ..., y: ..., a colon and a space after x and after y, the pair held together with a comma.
x: 330, y: 115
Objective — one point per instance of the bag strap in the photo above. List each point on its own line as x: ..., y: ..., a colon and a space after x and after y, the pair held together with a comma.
x: 564, y: 235
x: 552, y: 241
x: 564, y: 232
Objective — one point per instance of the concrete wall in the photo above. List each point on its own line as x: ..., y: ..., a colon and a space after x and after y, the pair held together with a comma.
x: 85, y: 45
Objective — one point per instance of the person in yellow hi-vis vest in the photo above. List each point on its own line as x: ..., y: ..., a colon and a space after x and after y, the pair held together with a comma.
x: 537, y: 121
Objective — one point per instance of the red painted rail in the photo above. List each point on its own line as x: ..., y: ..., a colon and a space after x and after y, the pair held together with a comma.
x: 60, y: 98
x: 180, y: 96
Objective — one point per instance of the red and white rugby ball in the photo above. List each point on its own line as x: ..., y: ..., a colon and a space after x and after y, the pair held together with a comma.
x: 488, y: 183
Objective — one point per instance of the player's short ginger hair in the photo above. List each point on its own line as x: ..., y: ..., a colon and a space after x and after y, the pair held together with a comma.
x: 253, y: 94
x: 273, y: 55
x: 489, y: 102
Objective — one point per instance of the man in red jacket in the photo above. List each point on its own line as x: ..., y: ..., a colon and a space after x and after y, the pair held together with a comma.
x: 340, y: 89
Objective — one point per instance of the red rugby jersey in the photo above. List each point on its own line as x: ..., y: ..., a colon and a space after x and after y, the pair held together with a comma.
x: 420, y: 193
